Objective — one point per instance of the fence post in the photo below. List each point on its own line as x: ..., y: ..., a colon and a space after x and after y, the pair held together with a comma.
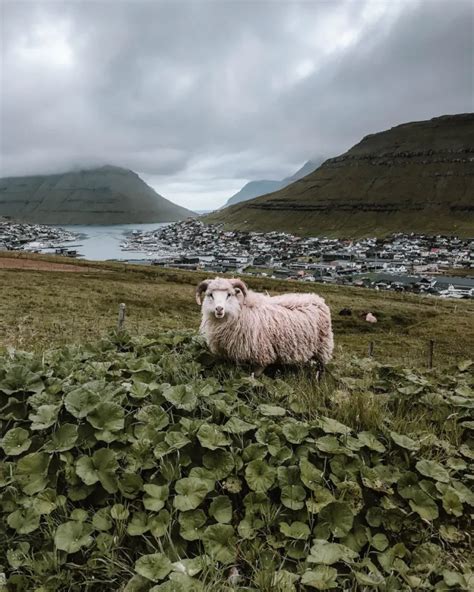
x: 371, y: 349
x: 430, y: 353
x: 121, y: 317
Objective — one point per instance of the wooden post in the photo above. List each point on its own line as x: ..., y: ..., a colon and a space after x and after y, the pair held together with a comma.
x: 430, y: 353
x: 371, y: 349
x: 121, y: 317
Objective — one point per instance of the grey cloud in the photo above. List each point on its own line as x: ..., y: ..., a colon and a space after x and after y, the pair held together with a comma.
x: 219, y: 92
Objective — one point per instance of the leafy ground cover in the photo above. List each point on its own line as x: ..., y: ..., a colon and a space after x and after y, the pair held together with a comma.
x: 143, y: 464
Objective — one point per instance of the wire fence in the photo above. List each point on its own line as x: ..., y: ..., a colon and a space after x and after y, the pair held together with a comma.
x: 31, y: 333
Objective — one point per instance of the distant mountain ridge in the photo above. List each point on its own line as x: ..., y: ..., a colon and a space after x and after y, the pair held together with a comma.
x: 104, y: 195
x: 415, y: 177
x: 257, y: 188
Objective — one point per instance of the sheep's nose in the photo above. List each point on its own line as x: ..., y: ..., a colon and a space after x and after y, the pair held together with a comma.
x: 219, y: 309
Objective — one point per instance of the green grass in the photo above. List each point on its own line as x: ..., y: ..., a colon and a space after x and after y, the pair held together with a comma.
x: 41, y: 309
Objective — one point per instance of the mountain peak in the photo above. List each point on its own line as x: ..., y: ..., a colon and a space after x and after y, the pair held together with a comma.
x: 103, y: 195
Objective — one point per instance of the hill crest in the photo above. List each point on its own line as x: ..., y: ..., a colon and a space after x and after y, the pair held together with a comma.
x: 104, y: 195
x: 414, y: 177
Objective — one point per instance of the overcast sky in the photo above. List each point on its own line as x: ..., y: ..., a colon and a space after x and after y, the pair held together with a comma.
x: 201, y: 96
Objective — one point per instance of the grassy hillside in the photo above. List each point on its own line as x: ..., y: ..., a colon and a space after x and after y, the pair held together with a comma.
x: 137, y: 462
x: 416, y: 177
x: 44, y: 308
x: 105, y: 195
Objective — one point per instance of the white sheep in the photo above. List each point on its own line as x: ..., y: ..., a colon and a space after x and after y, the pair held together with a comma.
x: 258, y: 329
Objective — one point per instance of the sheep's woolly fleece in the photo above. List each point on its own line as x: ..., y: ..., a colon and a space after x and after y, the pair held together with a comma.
x: 286, y: 329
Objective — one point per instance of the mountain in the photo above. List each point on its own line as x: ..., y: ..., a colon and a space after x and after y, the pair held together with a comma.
x: 253, y: 189
x: 257, y: 188
x: 415, y: 177
x: 105, y: 195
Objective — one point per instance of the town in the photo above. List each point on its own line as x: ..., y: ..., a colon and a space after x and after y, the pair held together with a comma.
x: 432, y: 265
x: 437, y: 265
x: 36, y: 238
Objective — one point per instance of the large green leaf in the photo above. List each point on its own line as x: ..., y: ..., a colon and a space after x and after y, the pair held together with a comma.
x: 405, y: 441
x: 19, y: 378
x: 331, y: 426
x: 337, y: 517
x: 296, y: 530
x: 72, y: 536
x: 235, y: 425
x: 433, y: 469
x: 159, y: 523
x: 45, y: 417
x: 191, y: 492
x: 31, y: 472
x: 211, y: 436
x: 320, y: 578
x: 220, y: 543
x: 219, y: 462
x: 181, y: 396
x: 191, y: 524
x: 260, y: 475
x: 295, y: 431
x: 327, y: 553
x: 154, y: 567
x: 311, y: 476
x: 369, y: 440
x: 138, y: 524
x: 156, y: 496
x: 24, y: 520
x: 424, y: 505
x: 64, y: 438
x: 102, y: 466
x: 102, y: 519
x: 293, y: 496
x: 221, y: 509
x: 153, y: 415
x: 107, y: 418
x: 82, y: 400
x: 452, y: 502
x: 15, y: 441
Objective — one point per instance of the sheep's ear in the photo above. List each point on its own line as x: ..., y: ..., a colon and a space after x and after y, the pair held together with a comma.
x: 239, y: 285
x: 202, y: 287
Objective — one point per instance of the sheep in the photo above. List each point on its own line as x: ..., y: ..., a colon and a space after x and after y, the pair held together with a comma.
x: 258, y: 329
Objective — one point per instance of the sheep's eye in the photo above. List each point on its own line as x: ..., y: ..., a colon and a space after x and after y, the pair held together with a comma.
x: 229, y: 295
x: 210, y: 296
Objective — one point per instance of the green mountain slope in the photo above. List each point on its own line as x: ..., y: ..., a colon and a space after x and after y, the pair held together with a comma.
x: 416, y: 177
x: 106, y: 195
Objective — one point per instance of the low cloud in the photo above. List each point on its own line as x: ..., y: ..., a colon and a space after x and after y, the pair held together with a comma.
x: 200, y: 97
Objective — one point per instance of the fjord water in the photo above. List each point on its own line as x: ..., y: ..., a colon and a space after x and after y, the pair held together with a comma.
x: 99, y: 243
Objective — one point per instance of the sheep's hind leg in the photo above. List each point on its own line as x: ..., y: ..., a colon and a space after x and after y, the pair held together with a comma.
x: 258, y: 371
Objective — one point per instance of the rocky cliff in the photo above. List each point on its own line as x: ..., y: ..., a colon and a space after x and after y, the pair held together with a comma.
x: 105, y: 195
x: 415, y: 177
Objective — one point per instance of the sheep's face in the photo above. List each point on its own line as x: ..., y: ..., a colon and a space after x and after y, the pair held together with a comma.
x: 222, y: 303
x: 221, y: 300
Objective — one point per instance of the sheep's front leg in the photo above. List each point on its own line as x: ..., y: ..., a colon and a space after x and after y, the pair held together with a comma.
x: 319, y: 366
x: 258, y: 371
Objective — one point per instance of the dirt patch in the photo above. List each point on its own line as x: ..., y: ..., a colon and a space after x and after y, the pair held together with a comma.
x: 14, y: 263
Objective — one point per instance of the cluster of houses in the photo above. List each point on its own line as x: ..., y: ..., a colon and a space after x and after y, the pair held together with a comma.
x: 34, y: 238
x: 401, y: 262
